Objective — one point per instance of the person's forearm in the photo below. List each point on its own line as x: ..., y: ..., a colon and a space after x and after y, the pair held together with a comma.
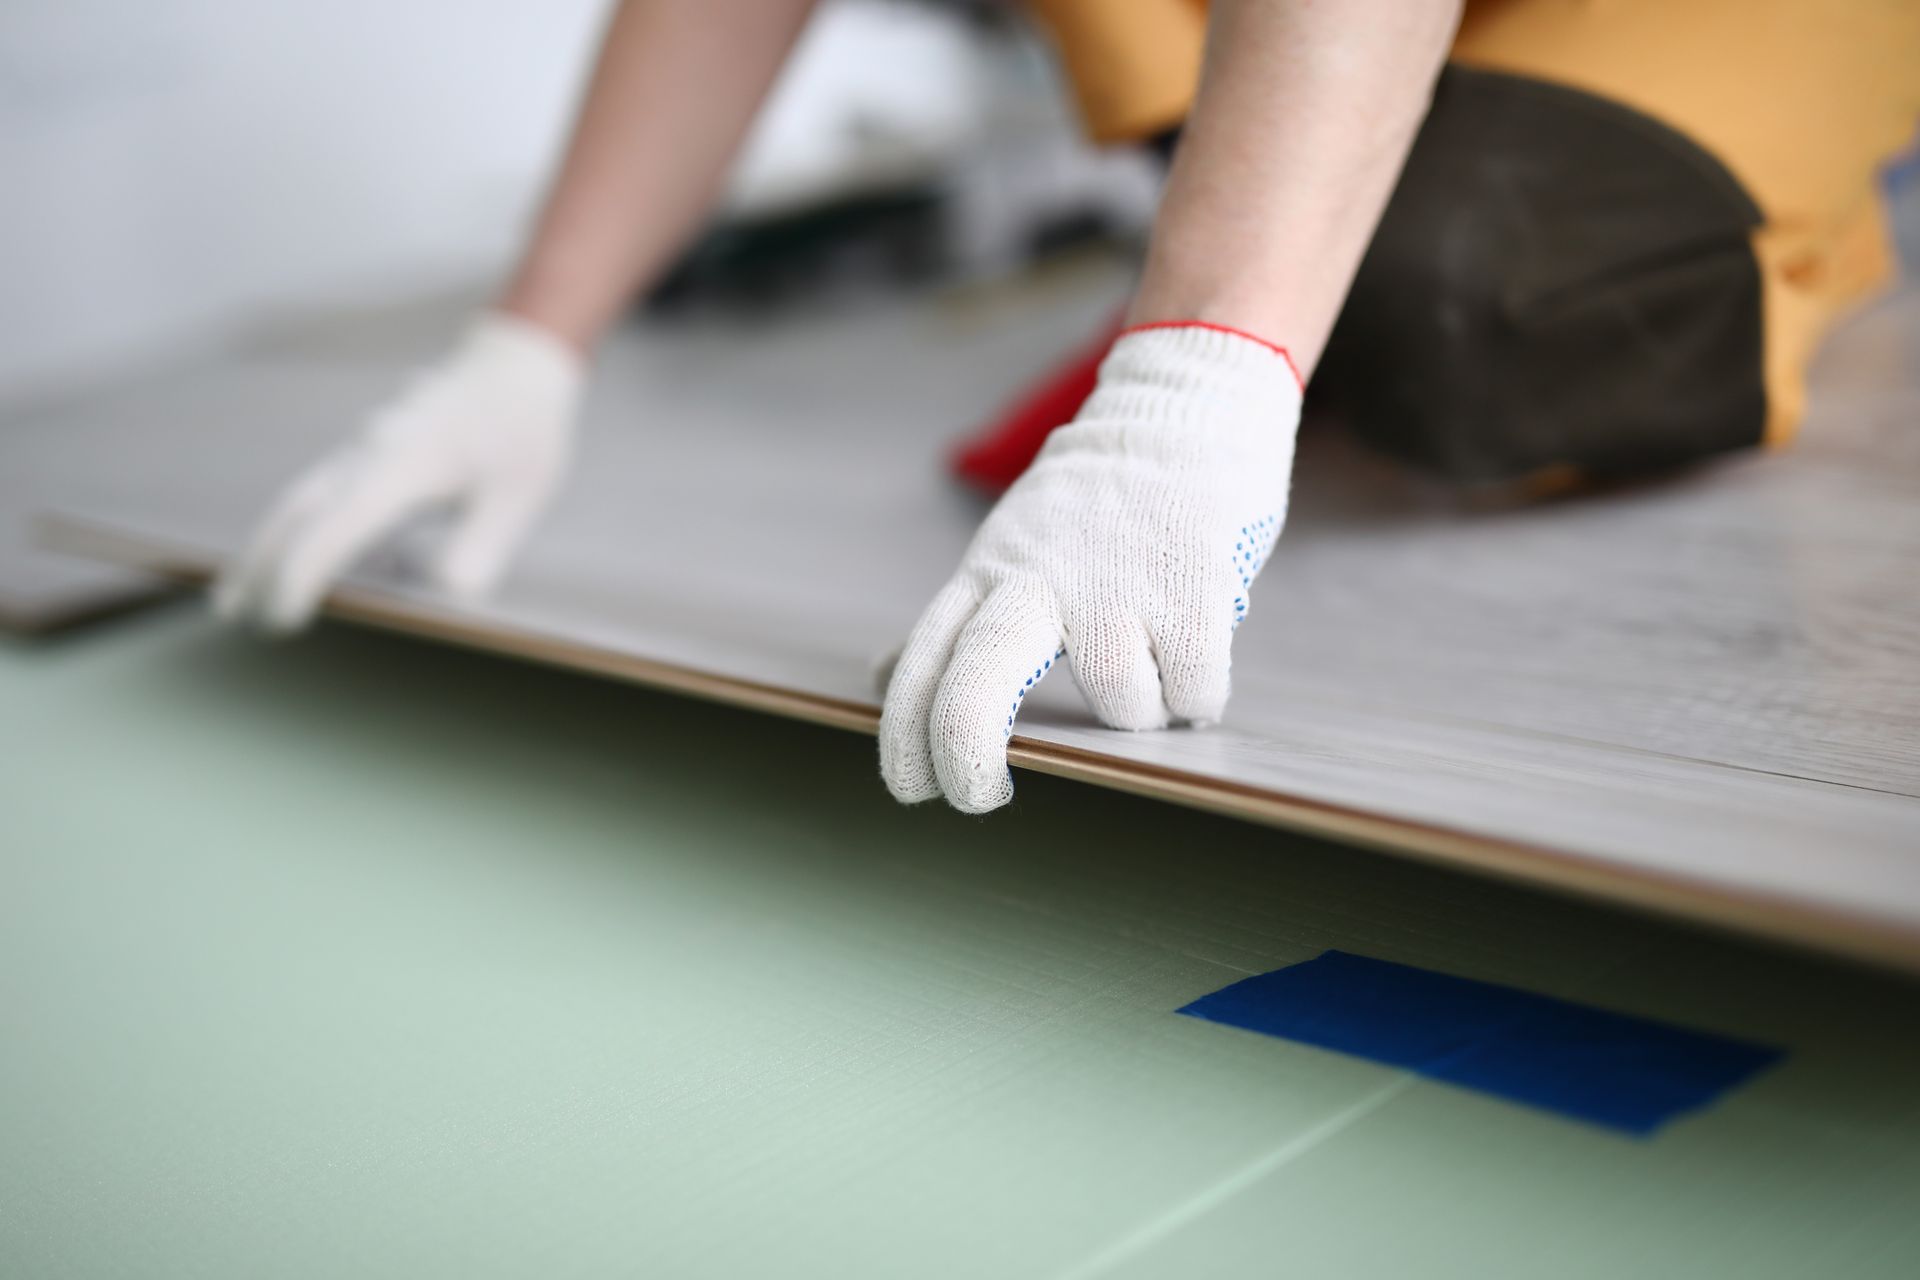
x: 675, y: 87
x: 1304, y: 117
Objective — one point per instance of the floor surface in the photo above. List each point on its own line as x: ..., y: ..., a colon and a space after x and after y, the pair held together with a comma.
x: 361, y: 956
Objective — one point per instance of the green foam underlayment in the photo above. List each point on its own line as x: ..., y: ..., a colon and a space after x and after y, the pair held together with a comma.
x: 360, y: 956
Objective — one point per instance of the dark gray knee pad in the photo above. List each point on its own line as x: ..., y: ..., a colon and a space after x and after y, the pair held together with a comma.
x: 1558, y: 282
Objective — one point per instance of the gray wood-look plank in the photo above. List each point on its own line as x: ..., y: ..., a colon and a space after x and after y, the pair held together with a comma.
x: 1701, y: 694
x: 139, y: 425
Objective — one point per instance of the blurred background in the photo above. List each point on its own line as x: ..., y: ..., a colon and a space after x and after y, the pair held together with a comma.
x: 175, y: 166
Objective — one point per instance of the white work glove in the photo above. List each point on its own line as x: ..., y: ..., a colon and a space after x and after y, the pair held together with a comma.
x: 1129, y: 548
x: 486, y: 433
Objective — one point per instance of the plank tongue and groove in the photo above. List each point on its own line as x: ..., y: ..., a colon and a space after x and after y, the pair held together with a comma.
x: 1701, y: 695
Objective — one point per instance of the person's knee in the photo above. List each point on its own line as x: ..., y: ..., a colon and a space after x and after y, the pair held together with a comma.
x: 1550, y: 291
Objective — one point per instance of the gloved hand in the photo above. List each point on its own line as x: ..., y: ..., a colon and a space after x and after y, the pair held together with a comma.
x: 1129, y: 549
x: 488, y: 432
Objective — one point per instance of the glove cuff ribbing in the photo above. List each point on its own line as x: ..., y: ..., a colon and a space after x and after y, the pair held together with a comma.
x: 1190, y: 372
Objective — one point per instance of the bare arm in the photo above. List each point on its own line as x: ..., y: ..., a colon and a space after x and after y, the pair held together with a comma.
x: 676, y: 85
x: 1129, y: 549
x: 488, y: 431
x: 1304, y: 117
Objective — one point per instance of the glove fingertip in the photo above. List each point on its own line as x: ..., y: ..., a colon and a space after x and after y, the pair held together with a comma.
x: 910, y: 793
x: 226, y: 599
x: 286, y: 621
x: 974, y: 795
x: 468, y: 578
x: 909, y: 780
x: 906, y: 757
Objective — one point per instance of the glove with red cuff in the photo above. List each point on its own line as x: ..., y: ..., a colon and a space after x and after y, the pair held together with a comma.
x: 1126, y: 552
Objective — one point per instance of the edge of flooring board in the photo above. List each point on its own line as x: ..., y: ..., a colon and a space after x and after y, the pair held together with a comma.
x: 1773, y: 918
x: 36, y: 620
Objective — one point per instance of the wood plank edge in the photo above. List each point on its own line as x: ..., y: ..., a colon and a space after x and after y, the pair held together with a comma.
x: 1834, y: 932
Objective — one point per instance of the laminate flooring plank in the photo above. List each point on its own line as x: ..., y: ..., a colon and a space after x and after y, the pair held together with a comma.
x: 85, y: 444
x: 1699, y: 695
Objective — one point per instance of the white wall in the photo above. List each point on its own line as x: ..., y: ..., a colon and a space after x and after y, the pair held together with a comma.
x: 166, y: 165
x: 169, y: 166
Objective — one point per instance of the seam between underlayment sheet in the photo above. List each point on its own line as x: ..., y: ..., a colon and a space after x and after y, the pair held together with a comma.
x: 1207, y: 1200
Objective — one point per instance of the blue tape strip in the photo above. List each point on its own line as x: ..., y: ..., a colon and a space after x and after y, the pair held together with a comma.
x: 1611, y: 1069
